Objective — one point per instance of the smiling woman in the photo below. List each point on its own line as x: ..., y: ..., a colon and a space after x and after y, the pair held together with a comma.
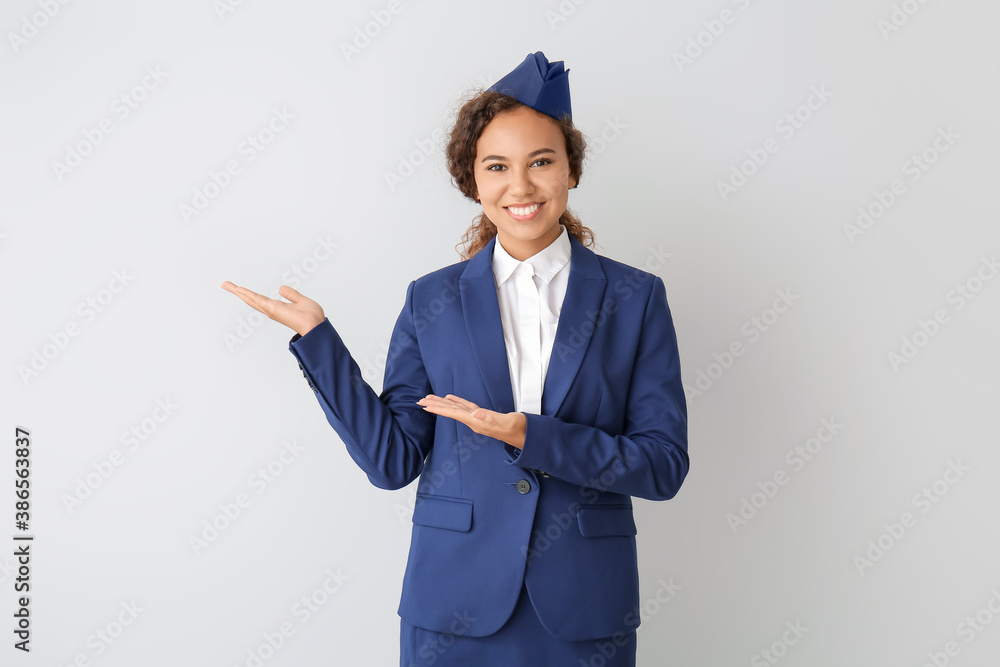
x: 525, y: 194
x: 523, y: 545
x: 549, y: 164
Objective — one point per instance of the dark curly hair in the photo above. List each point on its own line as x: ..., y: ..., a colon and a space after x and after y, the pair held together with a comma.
x: 473, y: 117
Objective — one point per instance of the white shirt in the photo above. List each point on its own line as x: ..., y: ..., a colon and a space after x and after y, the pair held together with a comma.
x: 531, y: 295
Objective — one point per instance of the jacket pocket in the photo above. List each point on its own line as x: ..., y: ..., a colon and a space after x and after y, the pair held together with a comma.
x: 607, y: 520
x: 443, y: 512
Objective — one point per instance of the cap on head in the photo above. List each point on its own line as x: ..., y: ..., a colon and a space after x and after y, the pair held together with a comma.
x: 539, y: 84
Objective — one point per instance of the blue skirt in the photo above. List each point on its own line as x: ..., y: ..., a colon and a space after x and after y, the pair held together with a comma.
x: 522, y: 641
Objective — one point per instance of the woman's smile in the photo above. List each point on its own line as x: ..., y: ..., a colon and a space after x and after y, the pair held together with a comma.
x: 524, y: 212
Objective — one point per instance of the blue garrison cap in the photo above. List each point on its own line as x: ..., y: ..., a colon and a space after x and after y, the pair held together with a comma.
x: 539, y: 84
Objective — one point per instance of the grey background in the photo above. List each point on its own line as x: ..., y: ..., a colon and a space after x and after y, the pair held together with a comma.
x: 663, y: 136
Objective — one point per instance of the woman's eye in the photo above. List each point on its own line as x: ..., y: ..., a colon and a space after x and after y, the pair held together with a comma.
x: 500, y: 167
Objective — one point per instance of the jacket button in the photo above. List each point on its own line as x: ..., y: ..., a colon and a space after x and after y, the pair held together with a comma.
x: 524, y: 486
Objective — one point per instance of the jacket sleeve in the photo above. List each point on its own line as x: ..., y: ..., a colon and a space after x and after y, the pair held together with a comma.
x: 387, y: 435
x: 649, y: 460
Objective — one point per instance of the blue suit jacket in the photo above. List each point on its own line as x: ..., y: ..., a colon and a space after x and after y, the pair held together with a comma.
x: 613, y: 426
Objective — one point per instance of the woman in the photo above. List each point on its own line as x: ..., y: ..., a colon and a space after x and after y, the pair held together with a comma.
x: 523, y: 544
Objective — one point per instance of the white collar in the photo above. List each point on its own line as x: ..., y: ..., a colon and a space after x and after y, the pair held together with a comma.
x: 546, y: 262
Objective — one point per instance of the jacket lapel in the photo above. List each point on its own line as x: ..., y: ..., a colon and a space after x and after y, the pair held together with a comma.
x: 584, y: 294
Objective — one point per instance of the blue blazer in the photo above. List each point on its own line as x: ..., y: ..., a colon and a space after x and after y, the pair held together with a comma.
x: 555, y: 516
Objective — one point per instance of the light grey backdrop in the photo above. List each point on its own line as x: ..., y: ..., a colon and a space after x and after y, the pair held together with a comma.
x: 814, y: 181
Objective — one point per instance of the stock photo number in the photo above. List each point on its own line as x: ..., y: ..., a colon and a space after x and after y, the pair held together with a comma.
x: 22, y: 541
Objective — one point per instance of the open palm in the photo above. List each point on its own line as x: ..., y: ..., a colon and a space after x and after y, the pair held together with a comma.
x: 301, y: 315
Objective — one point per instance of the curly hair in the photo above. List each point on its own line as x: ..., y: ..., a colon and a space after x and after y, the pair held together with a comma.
x: 473, y: 117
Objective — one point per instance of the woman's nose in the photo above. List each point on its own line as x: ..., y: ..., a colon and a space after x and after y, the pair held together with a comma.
x: 520, y: 182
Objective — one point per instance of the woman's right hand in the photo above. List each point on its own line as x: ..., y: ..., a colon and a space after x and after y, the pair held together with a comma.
x: 301, y: 315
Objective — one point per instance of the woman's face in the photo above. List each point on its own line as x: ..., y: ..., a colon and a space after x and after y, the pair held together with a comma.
x: 523, y: 179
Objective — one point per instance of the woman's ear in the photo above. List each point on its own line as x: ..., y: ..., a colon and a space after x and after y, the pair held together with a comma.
x: 573, y: 182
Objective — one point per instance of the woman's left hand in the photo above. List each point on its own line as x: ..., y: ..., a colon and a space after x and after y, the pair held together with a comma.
x: 509, y: 427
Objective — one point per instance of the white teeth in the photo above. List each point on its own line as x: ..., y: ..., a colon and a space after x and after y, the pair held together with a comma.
x: 527, y: 210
